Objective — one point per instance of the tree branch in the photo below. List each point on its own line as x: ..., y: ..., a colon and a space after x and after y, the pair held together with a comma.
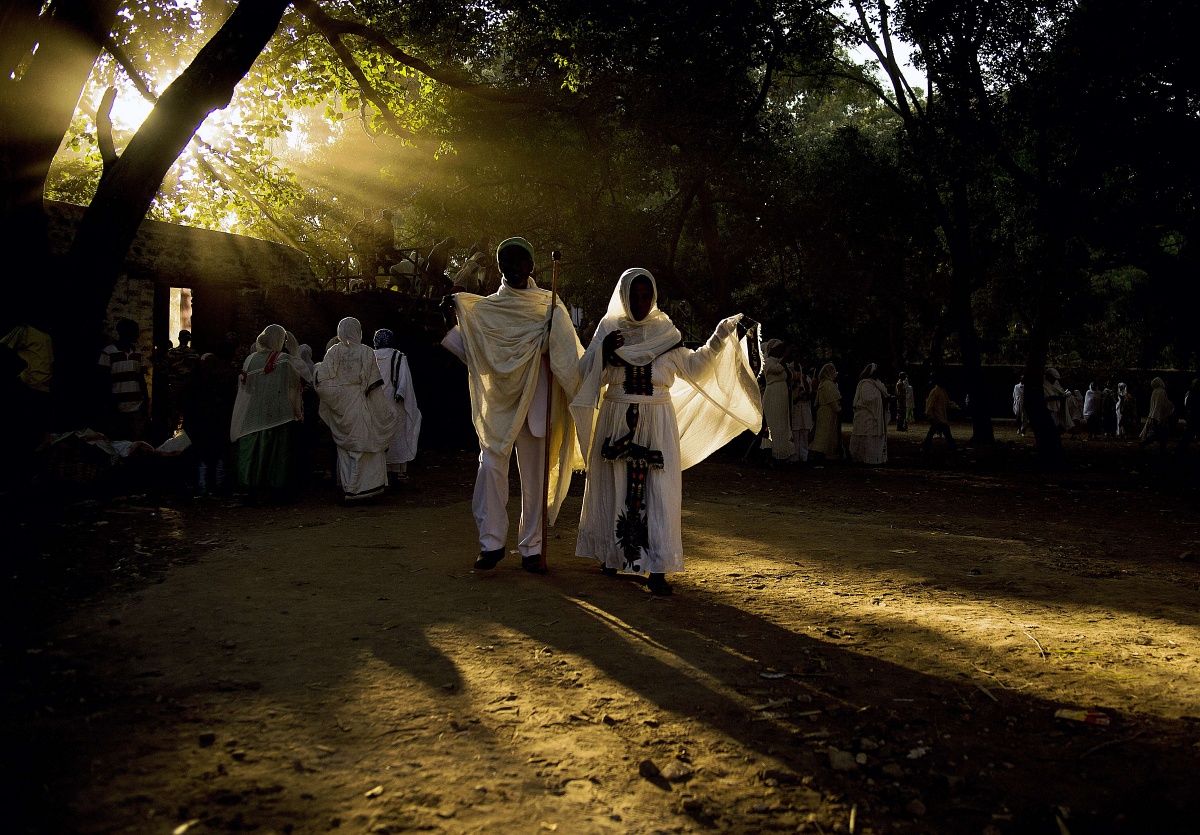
x: 233, y: 180
x: 334, y: 28
x: 104, y: 137
x: 123, y: 61
x: 332, y: 32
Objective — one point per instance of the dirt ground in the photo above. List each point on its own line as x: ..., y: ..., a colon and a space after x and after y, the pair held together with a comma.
x: 850, y: 650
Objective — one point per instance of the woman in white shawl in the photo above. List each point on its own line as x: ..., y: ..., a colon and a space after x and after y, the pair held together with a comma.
x: 267, y: 415
x: 827, y: 437
x: 802, y: 413
x: 1156, y: 428
x: 777, y: 404
x: 398, y: 390
x: 1056, y: 400
x: 868, y: 441
x: 361, y: 419
x: 649, y: 408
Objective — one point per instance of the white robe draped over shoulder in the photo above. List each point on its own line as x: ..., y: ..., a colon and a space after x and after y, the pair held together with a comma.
x: 502, y: 338
x: 777, y: 409
x: 361, y: 420
x: 868, y: 439
x: 398, y: 390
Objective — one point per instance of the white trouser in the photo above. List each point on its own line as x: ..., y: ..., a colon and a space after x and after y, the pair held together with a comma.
x: 490, y: 501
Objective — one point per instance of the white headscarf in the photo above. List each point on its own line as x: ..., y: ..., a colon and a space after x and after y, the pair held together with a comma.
x: 345, y: 379
x: 645, y: 338
x: 271, y: 339
x: 1160, y: 406
x: 269, y: 389
x: 710, y: 411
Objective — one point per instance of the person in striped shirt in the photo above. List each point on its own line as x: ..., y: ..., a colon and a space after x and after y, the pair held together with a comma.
x: 123, y: 369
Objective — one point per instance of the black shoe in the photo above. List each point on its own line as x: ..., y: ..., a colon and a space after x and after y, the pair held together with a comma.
x: 658, y: 585
x: 608, y: 571
x: 533, y: 564
x: 487, y: 560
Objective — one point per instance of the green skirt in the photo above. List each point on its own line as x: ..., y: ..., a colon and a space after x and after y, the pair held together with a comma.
x: 267, y: 460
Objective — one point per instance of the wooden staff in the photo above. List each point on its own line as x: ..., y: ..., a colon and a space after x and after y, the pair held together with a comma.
x: 555, y: 257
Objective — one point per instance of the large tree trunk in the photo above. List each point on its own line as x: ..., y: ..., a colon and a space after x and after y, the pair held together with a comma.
x: 129, y: 187
x: 1045, y: 433
x: 962, y: 281
x: 718, y: 263
x: 39, y: 93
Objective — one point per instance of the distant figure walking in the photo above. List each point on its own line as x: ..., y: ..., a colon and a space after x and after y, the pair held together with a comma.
x: 1127, y: 414
x: 123, y: 371
x: 1157, y: 429
x: 827, y: 437
x: 1191, y: 414
x: 802, y: 412
x: 902, y: 403
x: 354, y: 408
x: 937, y: 411
x: 868, y: 440
x: 398, y: 390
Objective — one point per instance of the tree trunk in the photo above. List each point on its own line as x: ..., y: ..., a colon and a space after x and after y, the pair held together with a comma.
x: 129, y: 187
x: 962, y: 280
x: 718, y: 263
x: 1045, y: 433
x: 36, y: 106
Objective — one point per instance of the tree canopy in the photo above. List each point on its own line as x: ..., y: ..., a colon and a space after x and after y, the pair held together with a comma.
x: 1031, y: 201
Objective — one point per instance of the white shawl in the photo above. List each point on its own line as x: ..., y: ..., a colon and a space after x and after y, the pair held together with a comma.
x: 269, y: 390
x: 504, y: 338
x: 869, y: 399
x: 398, y: 387
x: 1160, y: 406
x: 352, y: 401
x: 710, y: 409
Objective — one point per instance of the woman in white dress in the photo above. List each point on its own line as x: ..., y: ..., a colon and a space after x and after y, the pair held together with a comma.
x: 360, y: 418
x: 398, y: 390
x: 868, y: 441
x: 267, y: 417
x: 827, y: 437
x: 649, y: 408
x: 777, y: 404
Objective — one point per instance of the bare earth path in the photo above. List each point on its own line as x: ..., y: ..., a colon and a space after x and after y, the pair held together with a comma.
x: 849, y: 650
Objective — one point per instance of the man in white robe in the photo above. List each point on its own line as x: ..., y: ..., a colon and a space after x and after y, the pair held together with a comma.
x: 503, y: 338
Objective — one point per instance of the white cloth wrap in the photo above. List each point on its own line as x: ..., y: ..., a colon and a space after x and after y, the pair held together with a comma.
x: 777, y: 407
x: 1161, y: 407
x: 264, y: 400
x: 503, y: 339
x: 359, y: 421
x: 403, y: 447
x: 659, y: 428
x: 868, y: 441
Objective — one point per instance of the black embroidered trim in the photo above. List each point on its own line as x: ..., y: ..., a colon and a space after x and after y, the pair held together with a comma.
x: 753, y: 338
x: 633, y: 531
x: 638, y: 380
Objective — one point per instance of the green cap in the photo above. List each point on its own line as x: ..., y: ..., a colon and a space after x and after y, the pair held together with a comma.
x: 521, y: 242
